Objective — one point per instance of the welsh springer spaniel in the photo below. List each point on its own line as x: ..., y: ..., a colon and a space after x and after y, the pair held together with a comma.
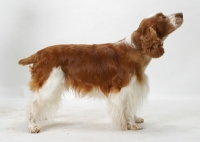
x: 115, y: 71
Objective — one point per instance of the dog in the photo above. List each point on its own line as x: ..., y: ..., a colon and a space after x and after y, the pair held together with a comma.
x: 115, y: 71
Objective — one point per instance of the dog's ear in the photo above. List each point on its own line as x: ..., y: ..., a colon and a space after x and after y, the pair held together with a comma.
x: 151, y: 44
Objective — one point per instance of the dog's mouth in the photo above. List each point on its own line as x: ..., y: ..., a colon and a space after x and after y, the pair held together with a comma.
x: 176, y: 20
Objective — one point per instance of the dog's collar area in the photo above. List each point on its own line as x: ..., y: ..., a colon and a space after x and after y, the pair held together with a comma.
x: 129, y: 41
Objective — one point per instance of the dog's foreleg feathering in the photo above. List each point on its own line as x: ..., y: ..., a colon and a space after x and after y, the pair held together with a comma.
x: 123, y: 106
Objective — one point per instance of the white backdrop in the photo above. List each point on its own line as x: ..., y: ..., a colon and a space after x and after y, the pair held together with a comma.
x: 30, y: 25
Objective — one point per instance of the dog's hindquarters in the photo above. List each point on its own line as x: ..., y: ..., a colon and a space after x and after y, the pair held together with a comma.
x: 44, y: 102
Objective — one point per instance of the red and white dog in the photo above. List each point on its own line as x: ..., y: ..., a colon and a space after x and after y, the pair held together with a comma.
x: 113, y: 70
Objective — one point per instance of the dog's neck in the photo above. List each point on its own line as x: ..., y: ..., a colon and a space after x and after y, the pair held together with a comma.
x: 134, y: 41
x: 135, y: 36
x: 128, y: 40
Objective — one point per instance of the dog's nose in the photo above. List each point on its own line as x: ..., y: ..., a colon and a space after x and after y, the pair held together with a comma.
x: 179, y: 15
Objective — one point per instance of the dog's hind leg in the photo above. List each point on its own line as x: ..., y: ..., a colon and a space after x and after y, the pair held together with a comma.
x: 45, y: 101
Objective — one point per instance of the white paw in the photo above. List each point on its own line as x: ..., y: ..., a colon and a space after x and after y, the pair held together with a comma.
x: 33, y: 128
x: 134, y: 127
x: 139, y: 120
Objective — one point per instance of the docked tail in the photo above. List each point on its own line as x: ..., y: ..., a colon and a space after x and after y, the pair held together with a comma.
x: 29, y: 60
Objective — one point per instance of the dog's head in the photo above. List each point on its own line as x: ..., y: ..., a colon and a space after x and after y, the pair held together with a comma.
x: 154, y: 31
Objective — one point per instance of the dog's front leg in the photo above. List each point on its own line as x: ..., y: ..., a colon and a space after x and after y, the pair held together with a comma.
x: 138, y: 119
x: 132, y: 119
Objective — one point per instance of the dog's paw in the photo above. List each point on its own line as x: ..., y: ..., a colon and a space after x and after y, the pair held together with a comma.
x: 134, y: 127
x: 139, y: 120
x: 33, y: 128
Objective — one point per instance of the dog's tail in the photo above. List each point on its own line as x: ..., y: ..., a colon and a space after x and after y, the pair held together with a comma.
x: 29, y: 60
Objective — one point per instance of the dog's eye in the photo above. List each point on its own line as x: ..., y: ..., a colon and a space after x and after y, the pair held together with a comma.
x: 164, y: 17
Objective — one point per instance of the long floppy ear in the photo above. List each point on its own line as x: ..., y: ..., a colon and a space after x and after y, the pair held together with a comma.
x: 151, y: 44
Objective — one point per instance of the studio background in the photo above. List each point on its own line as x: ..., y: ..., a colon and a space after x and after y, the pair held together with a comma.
x: 29, y: 25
